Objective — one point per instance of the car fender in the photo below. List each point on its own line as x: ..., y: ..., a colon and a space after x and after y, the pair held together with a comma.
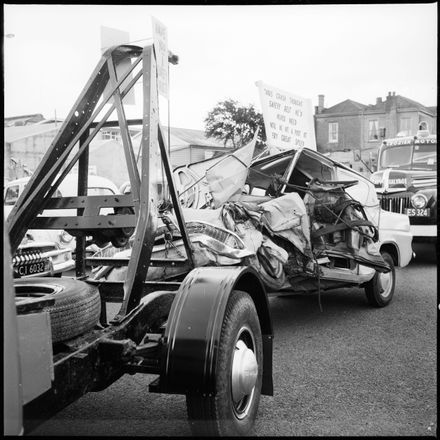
x: 394, y: 230
x: 194, y: 325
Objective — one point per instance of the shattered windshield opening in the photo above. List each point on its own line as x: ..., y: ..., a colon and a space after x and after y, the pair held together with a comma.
x: 306, y: 169
x: 261, y: 176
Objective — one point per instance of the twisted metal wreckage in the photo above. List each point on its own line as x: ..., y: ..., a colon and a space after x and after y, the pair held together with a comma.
x: 287, y: 237
x: 194, y: 309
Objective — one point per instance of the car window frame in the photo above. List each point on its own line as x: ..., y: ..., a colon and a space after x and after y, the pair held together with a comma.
x: 307, y: 152
x: 269, y: 160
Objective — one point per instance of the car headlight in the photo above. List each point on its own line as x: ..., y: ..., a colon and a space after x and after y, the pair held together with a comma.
x: 65, y: 237
x: 419, y: 201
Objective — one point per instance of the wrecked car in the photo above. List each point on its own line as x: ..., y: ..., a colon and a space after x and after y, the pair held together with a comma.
x: 304, y: 222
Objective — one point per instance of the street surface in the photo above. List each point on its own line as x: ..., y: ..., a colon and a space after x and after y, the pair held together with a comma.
x: 349, y: 370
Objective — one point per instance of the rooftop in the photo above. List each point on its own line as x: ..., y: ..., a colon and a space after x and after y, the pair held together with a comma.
x: 401, y: 102
x: 13, y: 134
x: 347, y: 106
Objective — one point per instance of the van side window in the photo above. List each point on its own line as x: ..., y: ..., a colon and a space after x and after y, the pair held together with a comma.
x: 11, y: 195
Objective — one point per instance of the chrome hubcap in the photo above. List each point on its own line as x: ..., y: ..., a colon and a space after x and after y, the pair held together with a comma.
x: 244, y: 373
x: 385, y: 280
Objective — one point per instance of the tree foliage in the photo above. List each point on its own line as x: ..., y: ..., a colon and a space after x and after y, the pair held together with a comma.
x: 235, y: 124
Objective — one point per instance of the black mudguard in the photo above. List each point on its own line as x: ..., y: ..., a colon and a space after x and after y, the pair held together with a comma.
x: 192, y: 335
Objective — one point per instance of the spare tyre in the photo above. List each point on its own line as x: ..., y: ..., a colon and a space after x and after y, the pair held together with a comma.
x: 77, y: 304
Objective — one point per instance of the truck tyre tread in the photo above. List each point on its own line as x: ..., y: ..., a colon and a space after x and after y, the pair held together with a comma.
x: 213, y: 415
x: 76, y: 309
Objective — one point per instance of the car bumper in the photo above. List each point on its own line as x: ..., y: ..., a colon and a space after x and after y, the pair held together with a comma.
x: 55, y: 269
x: 63, y: 267
x: 56, y: 262
x: 424, y: 231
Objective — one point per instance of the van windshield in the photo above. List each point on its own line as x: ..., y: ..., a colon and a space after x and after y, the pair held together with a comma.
x: 410, y: 157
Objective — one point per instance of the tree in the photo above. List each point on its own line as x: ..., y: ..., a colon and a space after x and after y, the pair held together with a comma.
x: 235, y: 124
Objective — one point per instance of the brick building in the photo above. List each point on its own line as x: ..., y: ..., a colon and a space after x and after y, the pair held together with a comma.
x: 352, y: 126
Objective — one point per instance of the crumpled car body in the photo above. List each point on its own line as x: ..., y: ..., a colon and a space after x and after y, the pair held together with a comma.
x: 301, y: 220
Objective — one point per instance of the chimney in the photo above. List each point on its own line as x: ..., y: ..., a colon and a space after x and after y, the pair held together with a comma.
x: 320, y: 103
x: 394, y: 93
x: 379, y: 100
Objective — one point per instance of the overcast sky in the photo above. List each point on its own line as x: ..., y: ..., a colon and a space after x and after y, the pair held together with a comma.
x: 356, y: 52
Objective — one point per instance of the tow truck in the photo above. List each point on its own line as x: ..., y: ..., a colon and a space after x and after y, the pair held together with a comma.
x: 195, y: 268
x: 204, y: 332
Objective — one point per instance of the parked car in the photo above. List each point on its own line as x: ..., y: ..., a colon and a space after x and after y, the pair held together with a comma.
x: 304, y: 221
x: 41, y: 258
x: 49, y: 252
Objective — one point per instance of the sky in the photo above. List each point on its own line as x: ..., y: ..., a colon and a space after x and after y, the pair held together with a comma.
x: 356, y: 52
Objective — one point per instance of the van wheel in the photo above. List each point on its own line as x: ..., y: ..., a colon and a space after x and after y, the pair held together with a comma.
x: 77, y: 304
x: 380, y: 289
x: 232, y: 410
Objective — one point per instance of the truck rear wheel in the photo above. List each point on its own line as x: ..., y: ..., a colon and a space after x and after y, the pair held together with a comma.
x: 233, y: 409
x: 77, y: 304
x: 380, y: 289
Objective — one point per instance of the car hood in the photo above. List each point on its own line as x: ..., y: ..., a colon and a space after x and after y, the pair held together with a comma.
x: 392, y: 180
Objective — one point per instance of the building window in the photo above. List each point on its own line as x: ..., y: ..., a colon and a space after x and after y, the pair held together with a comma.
x: 333, y: 132
x: 405, y: 126
x: 423, y: 125
x: 111, y: 134
x: 373, y: 130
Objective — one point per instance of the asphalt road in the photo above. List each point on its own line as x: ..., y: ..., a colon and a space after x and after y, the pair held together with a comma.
x: 349, y: 370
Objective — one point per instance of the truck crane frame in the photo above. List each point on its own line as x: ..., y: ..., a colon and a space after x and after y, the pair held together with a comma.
x: 185, y: 329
